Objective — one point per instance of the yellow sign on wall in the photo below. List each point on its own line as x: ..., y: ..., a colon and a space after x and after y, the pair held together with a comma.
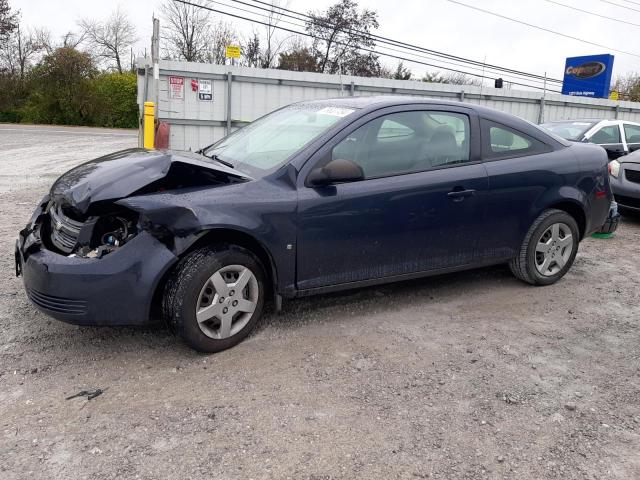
x: 232, y: 51
x: 613, y: 95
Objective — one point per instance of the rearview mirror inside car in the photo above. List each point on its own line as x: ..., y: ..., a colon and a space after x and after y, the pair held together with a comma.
x: 336, y: 171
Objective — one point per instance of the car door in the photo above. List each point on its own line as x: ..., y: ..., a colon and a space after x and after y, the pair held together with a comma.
x: 631, y: 136
x: 609, y: 137
x: 417, y: 209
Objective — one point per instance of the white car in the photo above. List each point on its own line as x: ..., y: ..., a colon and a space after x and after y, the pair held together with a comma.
x: 617, y: 137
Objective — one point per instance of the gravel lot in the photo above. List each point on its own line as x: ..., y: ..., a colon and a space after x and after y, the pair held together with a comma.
x: 472, y: 375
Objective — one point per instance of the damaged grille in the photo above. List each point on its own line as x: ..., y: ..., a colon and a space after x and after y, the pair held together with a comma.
x: 64, y: 231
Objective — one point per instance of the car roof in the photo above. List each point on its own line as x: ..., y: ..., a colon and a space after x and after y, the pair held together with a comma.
x: 376, y: 102
x: 381, y: 101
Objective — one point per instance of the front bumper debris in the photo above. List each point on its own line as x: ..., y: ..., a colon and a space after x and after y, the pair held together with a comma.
x: 115, y: 290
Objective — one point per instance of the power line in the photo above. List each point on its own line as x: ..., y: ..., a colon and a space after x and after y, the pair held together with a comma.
x: 592, y: 13
x: 478, y: 68
x: 629, y: 1
x: 381, y: 39
x: 622, y: 6
x: 542, y: 28
x: 361, y: 48
x: 411, y: 60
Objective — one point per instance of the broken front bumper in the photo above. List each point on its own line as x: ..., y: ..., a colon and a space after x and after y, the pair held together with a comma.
x: 117, y: 289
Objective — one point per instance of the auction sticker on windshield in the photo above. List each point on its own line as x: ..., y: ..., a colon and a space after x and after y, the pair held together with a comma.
x: 335, y: 111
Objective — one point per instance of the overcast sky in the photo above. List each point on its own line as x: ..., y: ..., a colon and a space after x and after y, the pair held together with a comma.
x: 435, y: 24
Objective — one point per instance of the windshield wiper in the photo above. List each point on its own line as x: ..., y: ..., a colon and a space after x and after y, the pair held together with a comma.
x: 218, y: 159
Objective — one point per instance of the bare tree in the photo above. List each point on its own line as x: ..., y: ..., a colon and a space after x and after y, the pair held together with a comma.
x: 262, y: 50
x: 340, y: 34
x: 251, y: 51
x: 221, y: 35
x: 19, y: 50
x: 273, y: 45
x: 628, y: 86
x: 110, y: 39
x: 45, y: 40
x: 188, y: 30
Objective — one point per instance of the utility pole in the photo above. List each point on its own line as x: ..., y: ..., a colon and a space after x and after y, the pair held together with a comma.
x: 155, y: 57
x: 542, y: 100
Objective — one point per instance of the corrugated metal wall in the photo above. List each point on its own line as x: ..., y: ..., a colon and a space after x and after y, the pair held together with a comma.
x: 256, y: 92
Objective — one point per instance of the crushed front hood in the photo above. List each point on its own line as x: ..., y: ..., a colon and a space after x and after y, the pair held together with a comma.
x: 121, y: 174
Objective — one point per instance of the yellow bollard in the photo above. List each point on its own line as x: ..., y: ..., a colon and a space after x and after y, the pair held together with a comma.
x: 149, y: 125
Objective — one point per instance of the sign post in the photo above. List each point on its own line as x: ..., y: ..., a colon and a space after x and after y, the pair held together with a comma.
x: 232, y: 52
x: 588, y: 76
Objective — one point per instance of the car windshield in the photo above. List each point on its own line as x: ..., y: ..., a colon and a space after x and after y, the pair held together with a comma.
x: 573, y: 130
x: 264, y: 145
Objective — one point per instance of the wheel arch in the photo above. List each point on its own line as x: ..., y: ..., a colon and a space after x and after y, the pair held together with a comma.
x: 224, y: 236
x: 576, y: 211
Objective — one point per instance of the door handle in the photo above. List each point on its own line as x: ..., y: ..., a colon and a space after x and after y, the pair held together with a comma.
x: 458, y: 195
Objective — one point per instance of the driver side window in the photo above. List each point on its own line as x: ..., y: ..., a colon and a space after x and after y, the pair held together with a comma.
x: 606, y: 135
x: 407, y: 142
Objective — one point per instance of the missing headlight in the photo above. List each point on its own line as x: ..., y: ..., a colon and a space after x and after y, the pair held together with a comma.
x: 110, y: 232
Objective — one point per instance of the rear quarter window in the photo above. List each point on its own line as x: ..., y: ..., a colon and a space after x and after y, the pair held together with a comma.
x: 501, y: 141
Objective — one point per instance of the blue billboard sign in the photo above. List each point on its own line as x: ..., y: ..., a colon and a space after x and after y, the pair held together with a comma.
x: 588, y: 76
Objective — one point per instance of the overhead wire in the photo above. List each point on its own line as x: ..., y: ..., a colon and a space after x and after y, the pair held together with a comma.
x: 482, y: 68
x: 592, y: 13
x: 544, y: 29
x: 381, y: 39
x: 369, y: 50
x: 621, y: 6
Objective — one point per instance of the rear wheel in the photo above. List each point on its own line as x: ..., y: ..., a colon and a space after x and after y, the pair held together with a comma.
x: 215, y: 297
x: 548, y: 250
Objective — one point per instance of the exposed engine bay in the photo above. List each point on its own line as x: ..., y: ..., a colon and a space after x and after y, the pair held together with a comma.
x: 94, y: 237
x: 82, y: 218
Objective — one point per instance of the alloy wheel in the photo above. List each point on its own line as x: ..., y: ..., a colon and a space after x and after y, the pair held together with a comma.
x: 227, y: 301
x: 554, y: 249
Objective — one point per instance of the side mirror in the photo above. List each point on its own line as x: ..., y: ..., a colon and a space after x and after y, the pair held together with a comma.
x: 336, y: 171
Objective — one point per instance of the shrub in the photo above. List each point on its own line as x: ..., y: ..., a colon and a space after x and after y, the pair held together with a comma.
x: 61, y: 89
x: 116, y: 104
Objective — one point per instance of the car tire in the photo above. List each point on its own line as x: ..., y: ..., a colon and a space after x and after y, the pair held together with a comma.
x: 214, y: 297
x: 549, y: 233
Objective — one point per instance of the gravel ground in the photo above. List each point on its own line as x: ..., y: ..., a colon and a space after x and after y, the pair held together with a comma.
x: 465, y: 376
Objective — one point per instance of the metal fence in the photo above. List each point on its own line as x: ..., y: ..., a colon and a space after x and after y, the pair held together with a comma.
x: 239, y: 95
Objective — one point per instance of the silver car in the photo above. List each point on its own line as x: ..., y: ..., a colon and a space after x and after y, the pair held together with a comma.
x: 625, y: 181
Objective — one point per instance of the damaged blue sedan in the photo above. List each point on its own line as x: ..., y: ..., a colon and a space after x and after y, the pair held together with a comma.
x: 315, y: 197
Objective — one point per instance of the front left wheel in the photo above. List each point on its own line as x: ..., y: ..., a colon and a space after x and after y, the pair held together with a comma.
x: 215, y: 297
